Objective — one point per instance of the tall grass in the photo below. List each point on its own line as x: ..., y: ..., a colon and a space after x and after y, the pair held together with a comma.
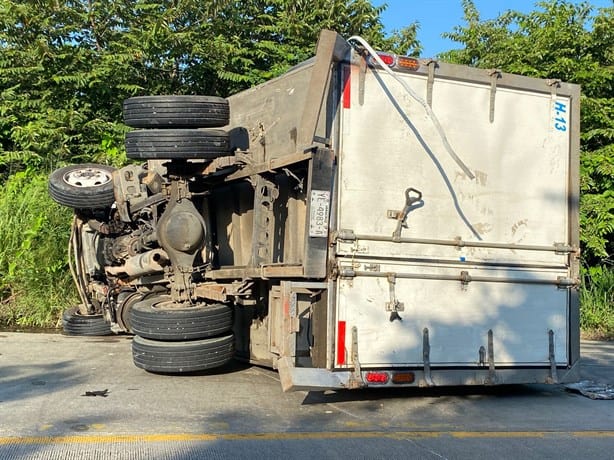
x: 35, y: 282
x: 597, y: 301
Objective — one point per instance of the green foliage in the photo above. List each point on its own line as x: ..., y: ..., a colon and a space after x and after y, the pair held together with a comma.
x: 56, y: 85
x: 35, y: 284
x: 573, y: 43
x: 66, y: 66
x: 597, y: 301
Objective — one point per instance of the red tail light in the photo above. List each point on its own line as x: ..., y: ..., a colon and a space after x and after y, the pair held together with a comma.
x: 377, y: 377
x: 389, y: 59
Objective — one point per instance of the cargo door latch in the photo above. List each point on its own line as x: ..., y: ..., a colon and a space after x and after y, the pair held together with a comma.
x: 394, y: 306
x: 413, y: 200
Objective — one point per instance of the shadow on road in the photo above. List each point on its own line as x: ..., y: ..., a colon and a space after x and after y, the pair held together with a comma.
x: 20, y: 382
x: 383, y: 394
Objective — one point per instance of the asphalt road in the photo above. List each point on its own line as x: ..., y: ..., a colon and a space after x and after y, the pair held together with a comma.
x: 240, y: 412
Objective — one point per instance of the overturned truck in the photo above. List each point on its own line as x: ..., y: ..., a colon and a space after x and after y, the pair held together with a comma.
x: 365, y: 219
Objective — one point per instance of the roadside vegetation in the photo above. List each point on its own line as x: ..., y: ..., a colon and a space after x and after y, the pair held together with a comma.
x: 66, y: 66
x: 597, y: 301
x: 35, y: 284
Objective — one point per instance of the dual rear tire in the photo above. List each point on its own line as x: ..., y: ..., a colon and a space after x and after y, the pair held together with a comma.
x: 175, y: 339
x: 170, y: 338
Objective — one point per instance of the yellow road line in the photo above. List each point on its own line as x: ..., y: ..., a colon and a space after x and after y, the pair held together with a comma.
x: 108, y: 439
x: 187, y: 437
x: 594, y: 434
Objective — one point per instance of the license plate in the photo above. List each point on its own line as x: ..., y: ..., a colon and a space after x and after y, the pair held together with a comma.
x: 318, y: 218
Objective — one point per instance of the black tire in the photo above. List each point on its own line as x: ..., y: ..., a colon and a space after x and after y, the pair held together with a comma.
x: 170, y: 144
x: 85, y: 186
x: 181, y: 357
x: 74, y: 323
x: 156, y: 318
x: 176, y: 112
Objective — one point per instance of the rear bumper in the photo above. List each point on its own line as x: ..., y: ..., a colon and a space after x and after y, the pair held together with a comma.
x: 302, y: 378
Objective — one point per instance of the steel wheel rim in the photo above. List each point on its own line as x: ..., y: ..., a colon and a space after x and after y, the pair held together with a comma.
x: 88, y: 177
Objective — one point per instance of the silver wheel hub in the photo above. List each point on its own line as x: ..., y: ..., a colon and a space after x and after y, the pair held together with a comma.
x: 88, y: 177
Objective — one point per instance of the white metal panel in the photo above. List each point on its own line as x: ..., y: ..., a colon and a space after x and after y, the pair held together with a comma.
x: 521, y: 164
x: 519, y: 196
x: 458, y: 317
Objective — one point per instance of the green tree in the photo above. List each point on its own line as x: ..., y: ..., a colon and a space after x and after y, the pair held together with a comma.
x: 65, y: 66
x: 573, y: 43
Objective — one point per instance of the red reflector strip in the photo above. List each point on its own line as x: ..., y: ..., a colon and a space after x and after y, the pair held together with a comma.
x: 341, y: 342
x: 347, y: 86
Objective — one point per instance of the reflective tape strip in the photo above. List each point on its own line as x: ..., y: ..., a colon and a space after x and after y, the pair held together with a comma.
x: 341, y: 342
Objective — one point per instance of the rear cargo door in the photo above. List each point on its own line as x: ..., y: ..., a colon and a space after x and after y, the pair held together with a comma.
x: 429, y: 258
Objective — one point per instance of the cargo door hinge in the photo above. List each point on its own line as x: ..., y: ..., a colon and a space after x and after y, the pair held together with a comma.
x: 492, y: 373
x: 431, y: 65
x: 355, y: 381
x: 553, y: 377
x: 495, y: 74
x: 426, y: 357
x: 554, y: 85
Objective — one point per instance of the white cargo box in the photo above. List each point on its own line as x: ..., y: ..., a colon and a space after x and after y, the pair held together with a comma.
x: 438, y: 226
